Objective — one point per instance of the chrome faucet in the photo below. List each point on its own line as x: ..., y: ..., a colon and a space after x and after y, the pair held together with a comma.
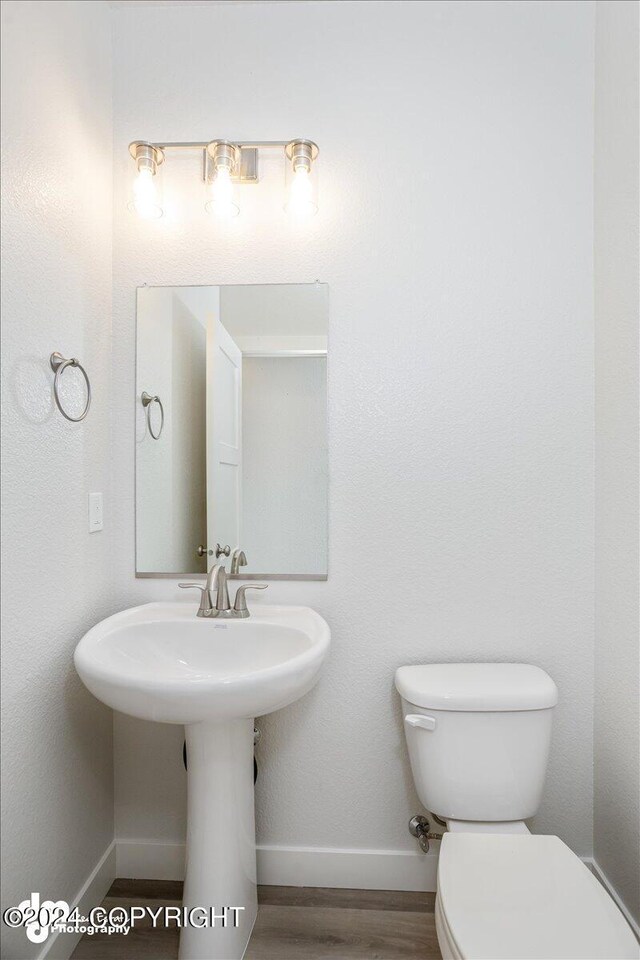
x: 214, y: 596
x: 218, y: 590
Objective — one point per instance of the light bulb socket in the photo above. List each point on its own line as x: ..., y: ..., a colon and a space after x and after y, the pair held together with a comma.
x: 301, y: 153
x: 224, y: 154
x: 146, y: 155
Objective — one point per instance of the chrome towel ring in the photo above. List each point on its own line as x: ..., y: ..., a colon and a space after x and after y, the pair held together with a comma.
x: 147, y: 400
x: 59, y: 365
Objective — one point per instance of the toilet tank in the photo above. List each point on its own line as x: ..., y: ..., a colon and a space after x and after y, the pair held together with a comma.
x: 478, y: 736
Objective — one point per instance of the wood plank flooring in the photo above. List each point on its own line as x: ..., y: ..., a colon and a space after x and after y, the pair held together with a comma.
x: 294, y: 923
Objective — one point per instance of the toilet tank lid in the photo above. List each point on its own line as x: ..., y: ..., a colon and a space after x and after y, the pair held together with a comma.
x: 477, y: 686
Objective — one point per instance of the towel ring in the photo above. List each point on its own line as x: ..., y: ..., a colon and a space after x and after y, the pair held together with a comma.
x: 59, y: 365
x: 147, y: 400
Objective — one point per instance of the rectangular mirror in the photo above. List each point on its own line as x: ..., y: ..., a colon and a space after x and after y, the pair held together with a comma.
x: 231, y: 430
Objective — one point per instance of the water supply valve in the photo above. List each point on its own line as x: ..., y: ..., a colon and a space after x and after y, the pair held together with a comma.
x: 419, y: 828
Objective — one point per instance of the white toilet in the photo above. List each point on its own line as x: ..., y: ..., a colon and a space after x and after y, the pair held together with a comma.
x: 478, y: 737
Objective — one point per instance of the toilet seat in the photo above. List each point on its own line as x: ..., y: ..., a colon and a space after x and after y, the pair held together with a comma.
x: 524, y: 897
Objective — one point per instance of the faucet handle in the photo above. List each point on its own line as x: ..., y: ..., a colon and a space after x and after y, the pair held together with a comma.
x: 240, y: 604
x: 205, y: 597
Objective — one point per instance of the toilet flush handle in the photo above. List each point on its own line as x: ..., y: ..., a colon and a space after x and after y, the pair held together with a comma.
x: 419, y: 720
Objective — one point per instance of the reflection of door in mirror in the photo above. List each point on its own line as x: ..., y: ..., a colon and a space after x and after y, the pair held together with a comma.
x: 224, y: 437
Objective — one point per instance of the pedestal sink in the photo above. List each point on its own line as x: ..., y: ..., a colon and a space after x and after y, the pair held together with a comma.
x: 159, y: 662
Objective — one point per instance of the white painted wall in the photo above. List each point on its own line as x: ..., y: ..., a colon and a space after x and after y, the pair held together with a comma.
x: 461, y: 374
x: 284, y: 464
x: 57, y: 766
x: 617, y: 693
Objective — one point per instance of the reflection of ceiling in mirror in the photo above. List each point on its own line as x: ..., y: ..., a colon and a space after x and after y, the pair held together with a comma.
x: 263, y: 319
x: 298, y: 309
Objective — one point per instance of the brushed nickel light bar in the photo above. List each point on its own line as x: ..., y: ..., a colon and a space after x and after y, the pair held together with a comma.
x: 225, y: 163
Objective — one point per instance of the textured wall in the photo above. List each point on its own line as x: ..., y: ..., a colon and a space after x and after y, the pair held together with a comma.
x: 57, y: 767
x: 617, y: 694
x: 455, y: 232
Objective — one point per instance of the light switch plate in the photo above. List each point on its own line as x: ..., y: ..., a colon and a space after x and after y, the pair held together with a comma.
x: 96, y: 520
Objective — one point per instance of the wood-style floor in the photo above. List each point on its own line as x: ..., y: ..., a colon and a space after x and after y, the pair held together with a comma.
x: 294, y: 923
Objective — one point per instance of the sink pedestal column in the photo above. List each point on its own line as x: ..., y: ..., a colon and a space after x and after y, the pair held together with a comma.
x: 221, y: 850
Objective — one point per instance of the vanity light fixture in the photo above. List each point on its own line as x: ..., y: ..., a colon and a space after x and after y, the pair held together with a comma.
x: 225, y: 164
x: 146, y: 198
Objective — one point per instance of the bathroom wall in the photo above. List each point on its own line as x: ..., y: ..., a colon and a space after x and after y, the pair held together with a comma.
x: 455, y: 231
x: 57, y: 766
x: 617, y: 694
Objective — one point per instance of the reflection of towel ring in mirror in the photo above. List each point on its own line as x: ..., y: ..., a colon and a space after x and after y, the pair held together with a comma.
x: 59, y: 365
x: 147, y: 400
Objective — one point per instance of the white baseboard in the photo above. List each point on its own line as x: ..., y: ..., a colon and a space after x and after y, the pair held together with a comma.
x: 60, y: 946
x: 353, y: 869
x: 611, y: 890
x: 150, y: 860
x: 295, y: 866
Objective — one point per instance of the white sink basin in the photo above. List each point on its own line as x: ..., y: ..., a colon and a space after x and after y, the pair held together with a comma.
x: 160, y: 662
